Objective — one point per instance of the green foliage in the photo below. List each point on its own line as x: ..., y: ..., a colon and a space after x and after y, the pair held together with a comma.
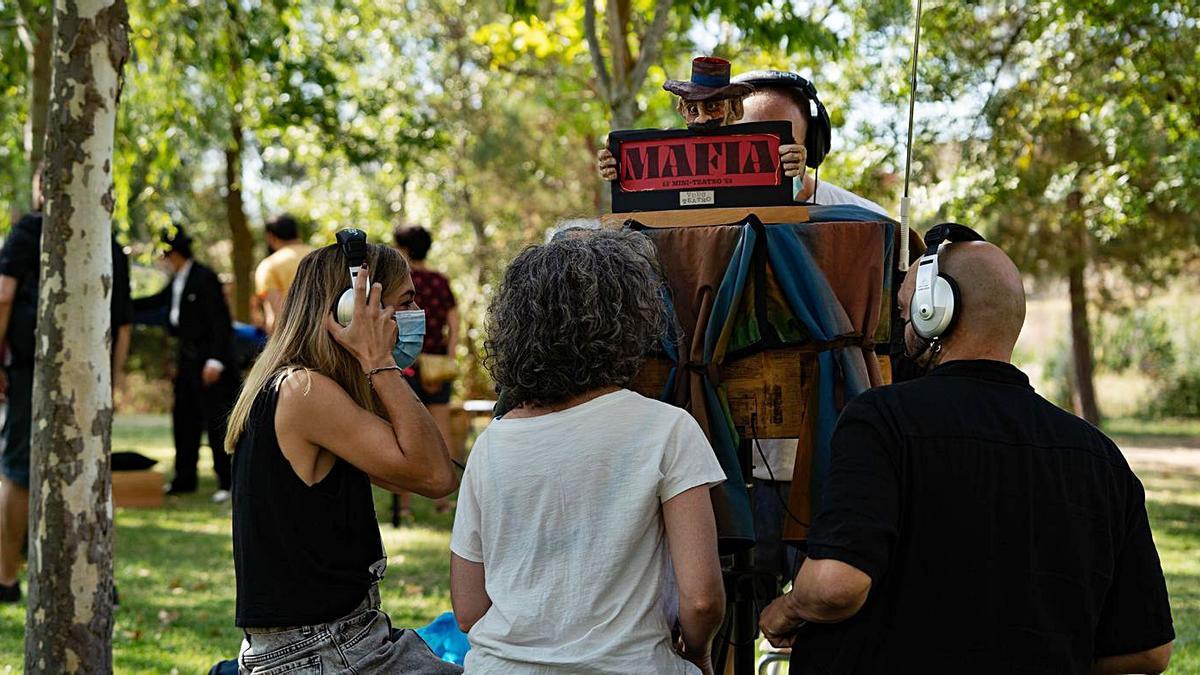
x: 303, y: 82
x: 14, y: 111
x: 1157, y: 342
x: 1079, y: 99
x: 762, y: 23
x: 1139, y: 338
x: 481, y: 120
x: 1178, y: 398
x: 1056, y: 372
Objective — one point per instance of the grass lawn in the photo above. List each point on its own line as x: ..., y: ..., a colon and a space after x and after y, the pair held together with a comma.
x: 174, y: 567
x: 174, y: 572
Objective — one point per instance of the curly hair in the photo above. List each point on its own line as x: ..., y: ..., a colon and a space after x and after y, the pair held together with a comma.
x: 574, y: 315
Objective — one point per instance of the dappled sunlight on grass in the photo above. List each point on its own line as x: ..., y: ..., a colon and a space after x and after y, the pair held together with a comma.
x: 174, y: 571
x: 1173, y: 500
x: 174, y: 565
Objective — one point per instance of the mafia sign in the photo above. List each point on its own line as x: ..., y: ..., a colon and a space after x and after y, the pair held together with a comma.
x: 736, y: 165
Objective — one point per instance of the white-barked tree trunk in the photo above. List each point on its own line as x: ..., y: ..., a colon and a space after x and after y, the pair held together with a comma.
x: 69, y: 622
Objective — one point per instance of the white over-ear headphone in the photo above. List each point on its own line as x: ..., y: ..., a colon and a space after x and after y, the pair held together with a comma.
x: 354, y: 246
x: 935, y: 301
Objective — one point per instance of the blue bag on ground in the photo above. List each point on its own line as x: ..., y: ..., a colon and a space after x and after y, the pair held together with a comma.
x: 445, y: 639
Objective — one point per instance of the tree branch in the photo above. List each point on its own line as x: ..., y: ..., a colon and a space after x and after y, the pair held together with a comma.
x: 651, y: 44
x: 1005, y: 53
x: 618, y: 45
x: 546, y: 74
x: 26, y: 24
x: 593, y: 40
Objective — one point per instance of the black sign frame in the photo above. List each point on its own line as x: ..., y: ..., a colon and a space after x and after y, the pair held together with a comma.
x: 624, y: 201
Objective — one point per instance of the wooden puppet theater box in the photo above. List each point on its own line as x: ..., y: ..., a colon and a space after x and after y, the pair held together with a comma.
x: 783, y: 313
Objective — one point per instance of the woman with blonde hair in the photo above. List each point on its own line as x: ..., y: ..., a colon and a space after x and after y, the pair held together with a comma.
x: 324, y: 413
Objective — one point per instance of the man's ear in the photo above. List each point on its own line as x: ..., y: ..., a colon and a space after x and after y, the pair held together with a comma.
x: 678, y: 105
x: 736, y: 109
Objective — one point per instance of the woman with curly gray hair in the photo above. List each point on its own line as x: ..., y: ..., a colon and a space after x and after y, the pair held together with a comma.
x: 581, y: 502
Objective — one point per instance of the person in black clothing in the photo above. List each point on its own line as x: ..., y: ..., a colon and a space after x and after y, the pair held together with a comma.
x: 20, y: 268
x: 325, y: 413
x: 970, y: 526
x: 206, y: 379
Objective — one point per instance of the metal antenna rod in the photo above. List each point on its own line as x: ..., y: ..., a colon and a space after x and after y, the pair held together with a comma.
x: 912, y: 102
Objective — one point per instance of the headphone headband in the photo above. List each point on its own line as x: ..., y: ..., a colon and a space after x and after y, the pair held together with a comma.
x: 948, y: 231
x: 820, y: 130
x: 354, y: 246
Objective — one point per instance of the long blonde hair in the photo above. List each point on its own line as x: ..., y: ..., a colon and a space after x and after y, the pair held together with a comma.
x: 301, y: 341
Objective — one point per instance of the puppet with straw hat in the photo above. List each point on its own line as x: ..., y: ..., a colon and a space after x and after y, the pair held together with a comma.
x: 708, y: 101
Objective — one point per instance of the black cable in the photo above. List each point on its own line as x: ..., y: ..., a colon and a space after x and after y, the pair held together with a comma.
x: 725, y: 636
x: 770, y: 473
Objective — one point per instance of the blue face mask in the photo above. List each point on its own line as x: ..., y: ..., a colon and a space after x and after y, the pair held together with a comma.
x: 410, y: 338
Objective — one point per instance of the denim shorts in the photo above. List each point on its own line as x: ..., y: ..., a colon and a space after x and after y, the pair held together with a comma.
x: 361, y: 642
x: 15, y: 434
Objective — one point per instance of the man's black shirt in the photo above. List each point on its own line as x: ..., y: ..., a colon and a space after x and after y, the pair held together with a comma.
x: 1001, y: 534
x: 20, y: 258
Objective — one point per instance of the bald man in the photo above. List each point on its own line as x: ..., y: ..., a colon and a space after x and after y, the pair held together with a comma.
x: 968, y: 525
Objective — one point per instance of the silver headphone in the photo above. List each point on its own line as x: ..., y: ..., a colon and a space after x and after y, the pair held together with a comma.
x: 354, y: 246
x: 934, y: 306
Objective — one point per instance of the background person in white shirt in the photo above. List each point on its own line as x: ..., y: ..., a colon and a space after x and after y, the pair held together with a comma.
x: 579, y: 503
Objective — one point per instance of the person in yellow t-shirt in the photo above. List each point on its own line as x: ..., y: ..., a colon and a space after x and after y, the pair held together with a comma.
x: 275, y: 273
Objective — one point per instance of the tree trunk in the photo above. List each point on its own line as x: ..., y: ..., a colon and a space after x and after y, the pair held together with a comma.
x: 239, y: 231
x: 41, y: 70
x: 1083, y: 397
x: 36, y: 31
x: 619, y: 85
x: 235, y: 208
x: 625, y: 113
x: 69, y: 617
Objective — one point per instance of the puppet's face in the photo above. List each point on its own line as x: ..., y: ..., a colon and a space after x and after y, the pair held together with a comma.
x: 710, y: 114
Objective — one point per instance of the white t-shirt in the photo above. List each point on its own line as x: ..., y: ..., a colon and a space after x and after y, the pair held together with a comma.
x: 781, y: 458
x: 565, y: 512
x: 829, y: 194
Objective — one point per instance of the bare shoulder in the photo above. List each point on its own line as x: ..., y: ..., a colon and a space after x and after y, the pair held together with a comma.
x: 304, y: 392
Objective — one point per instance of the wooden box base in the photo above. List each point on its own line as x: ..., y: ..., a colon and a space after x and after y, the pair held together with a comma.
x: 139, y: 489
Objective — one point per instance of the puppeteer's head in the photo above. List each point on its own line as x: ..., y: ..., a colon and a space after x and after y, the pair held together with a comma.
x: 709, y: 100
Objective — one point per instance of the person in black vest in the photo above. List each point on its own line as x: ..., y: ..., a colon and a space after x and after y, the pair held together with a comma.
x: 206, y: 379
x: 325, y: 413
x: 967, y: 524
x: 20, y: 267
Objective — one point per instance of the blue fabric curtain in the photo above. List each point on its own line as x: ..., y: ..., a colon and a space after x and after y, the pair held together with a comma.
x: 814, y: 304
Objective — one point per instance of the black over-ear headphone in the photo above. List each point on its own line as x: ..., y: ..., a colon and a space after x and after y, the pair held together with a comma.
x: 934, y: 306
x: 353, y: 244
x: 820, y: 130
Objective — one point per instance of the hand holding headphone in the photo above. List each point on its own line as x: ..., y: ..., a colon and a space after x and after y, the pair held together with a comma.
x: 408, y: 324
